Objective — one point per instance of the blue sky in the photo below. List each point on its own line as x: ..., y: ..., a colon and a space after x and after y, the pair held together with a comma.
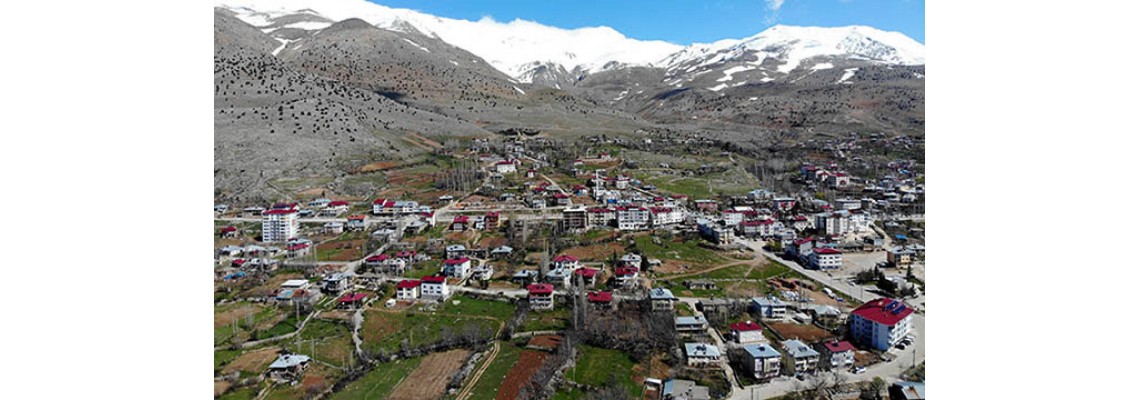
x: 685, y: 22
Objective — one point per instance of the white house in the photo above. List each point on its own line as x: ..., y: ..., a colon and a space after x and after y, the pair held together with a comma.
x: 763, y: 361
x: 747, y: 332
x: 881, y: 323
x: 457, y: 267
x: 540, y: 296
x: 279, y: 225
x: 625, y: 276
x: 566, y: 262
x: 826, y: 258
x: 701, y: 353
x: 408, y: 289
x: 506, y: 167
x: 769, y: 307
x: 664, y: 216
x: 434, y: 288
x: 690, y: 324
x: 836, y: 354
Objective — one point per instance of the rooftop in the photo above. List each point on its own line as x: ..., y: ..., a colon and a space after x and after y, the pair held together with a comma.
x: 883, y: 311
x: 701, y: 350
x: 761, y: 351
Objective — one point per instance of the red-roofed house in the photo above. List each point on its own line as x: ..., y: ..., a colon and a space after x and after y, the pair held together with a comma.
x: 506, y: 167
x: 601, y: 300
x: 491, y: 220
x: 589, y: 276
x: 335, y: 208
x: 434, y: 288
x: 565, y: 261
x: 881, y: 323
x: 229, y: 231
x: 826, y: 258
x: 460, y: 223
x: 378, y: 206
x: 408, y: 289
x: 457, y: 267
x: 836, y: 354
x: 561, y: 199
x: 540, y: 296
x: 761, y: 228
x: 297, y: 249
x: 352, y: 300
x: 626, y: 276
x: 747, y: 332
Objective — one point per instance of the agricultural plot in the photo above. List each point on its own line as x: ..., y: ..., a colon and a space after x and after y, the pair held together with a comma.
x: 241, y: 321
x: 598, y: 367
x: 529, y: 361
x: 325, y: 341
x: 488, y: 385
x: 388, y: 332
x: 380, y: 381
x: 429, y: 380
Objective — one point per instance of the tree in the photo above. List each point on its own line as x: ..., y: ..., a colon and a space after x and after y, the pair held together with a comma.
x: 875, y: 389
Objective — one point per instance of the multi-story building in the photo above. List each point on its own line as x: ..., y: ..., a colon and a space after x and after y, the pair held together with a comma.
x: 600, y: 217
x: 826, y: 258
x: 697, y: 354
x: 408, y: 289
x: 836, y: 354
x: 632, y: 218
x: 799, y: 358
x: 434, y: 288
x: 540, y: 296
x: 457, y: 267
x: 662, y: 299
x: 747, y: 332
x: 279, y: 225
x: 492, y: 220
x: 574, y: 218
x: 881, y: 323
x: 665, y: 216
x: 690, y: 324
x: 769, y: 307
x: 763, y: 361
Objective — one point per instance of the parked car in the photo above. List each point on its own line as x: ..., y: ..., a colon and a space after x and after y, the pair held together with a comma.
x: 859, y: 370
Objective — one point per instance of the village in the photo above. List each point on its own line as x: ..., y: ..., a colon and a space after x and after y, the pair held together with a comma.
x: 519, y: 268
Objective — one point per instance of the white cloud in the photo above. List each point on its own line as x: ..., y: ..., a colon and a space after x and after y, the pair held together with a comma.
x: 774, y: 5
x: 773, y: 11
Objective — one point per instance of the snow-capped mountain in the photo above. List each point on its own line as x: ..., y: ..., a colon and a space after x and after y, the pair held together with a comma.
x: 532, y: 52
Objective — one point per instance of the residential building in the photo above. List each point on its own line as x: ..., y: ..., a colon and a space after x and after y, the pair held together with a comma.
x: 625, y: 276
x: 665, y: 216
x: 826, y: 258
x: 540, y: 296
x: 561, y: 199
x: 434, y: 288
x: 799, y: 358
x: 352, y: 300
x: 506, y: 167
x: 630, y: 260
x: 836, y: 354
x: 601, y: 300
x: 460, y: 223
x: 690, y: 324
x: 566, y: 262
x: 279, y: 225
x: 483, y: 272
x: 700, y: 284
x: 493, y: 220
x: 598, y: 217
x: 680, y: 389
x: 336, y: 283
x: 662, y: 299
x: 335, y: 208
x: 899, y: 256
x: 764, y: 361
x: 559, y: 277
x: 697, y: 354
x: 575, y: 218
x: 297, y: 248
x: 502, y: 251
x: 747, y: 332
x: 456, y: 251
x: 881, y: 323
x: 715, y: 231
x: 783, y: 203
x: 408, y: 289
x: 229, y: 232
x: 705, y: 205
x: 632, y: 218
x: 457, y: 268
x: 589, y: 276
x: 769, y: 307
x: 288, y: 367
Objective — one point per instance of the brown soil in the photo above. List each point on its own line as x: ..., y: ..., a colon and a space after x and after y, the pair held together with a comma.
x: 546, y: 341
x: 805, y: 333
x: 529, y: 362
x: 597, y: 252
x: 350, y: 250
x: 255, y: 361
x: 377, y: 166
x: 239, y: 313
x: 430, y: 378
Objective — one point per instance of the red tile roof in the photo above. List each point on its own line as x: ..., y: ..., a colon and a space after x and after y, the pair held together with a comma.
x: 586, y: 272
x: 461, y: 219
x: 540, y: 288
x: 434, y: 279
x: 353, y: 297
x: 338, y: 203
x: 355, y: 217
x: 838, y: 347
x: 377, y: 258
x: 825, y: 250
x: 408, y: 284
x: 298, y: 246
x: 279, y: 211
x: 379, y: 201
x: 622, y: 271
x: 600, y: 297
x: 456, y: 261
x: 745, y: 326
x: 875, y: 310
x: 230, y: 228
x: 565, y: 258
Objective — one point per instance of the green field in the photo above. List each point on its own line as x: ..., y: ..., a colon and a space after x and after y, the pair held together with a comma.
x: 384, y: 331
x: 246, y: 328
x: 379, y: 382
x: 488, y: 308
x: 245, y: 393
x: 689, y: 251
x: 424, y: 268
x: 552, y: 320
x: 488, y: 385
x: 599, y: 367
x: 332, y: 342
